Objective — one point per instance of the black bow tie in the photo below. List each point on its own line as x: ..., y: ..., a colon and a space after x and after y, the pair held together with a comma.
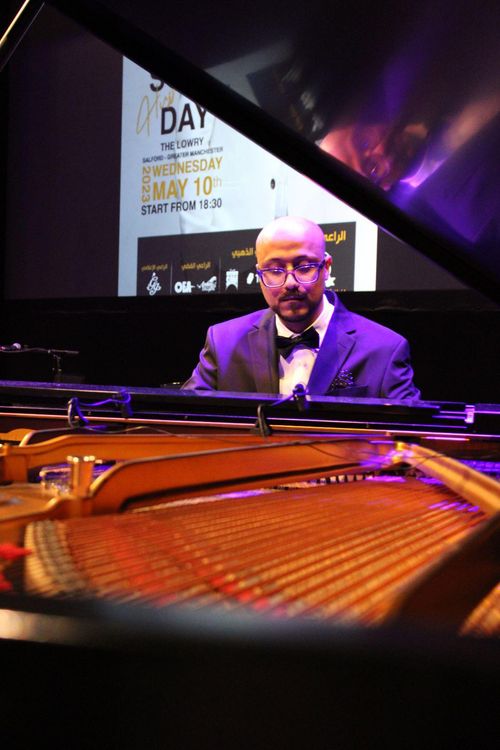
x: 309, y: 338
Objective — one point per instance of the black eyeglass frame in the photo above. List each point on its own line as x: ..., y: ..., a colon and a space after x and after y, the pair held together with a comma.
x: 318, y: 265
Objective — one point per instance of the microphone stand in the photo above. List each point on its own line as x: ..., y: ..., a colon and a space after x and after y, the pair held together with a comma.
x: 56, y: 354
x: 262, y: 426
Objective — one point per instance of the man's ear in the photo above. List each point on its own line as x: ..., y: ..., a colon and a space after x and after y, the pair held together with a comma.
x: 328, y: 261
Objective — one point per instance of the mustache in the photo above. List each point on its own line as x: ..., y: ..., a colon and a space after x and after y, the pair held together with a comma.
x: 286, y: 297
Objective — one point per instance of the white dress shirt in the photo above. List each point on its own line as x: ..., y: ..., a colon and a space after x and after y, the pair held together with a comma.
x: 297, y: 367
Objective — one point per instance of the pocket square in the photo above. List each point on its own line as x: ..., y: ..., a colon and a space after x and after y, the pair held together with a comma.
x: 343, y: 379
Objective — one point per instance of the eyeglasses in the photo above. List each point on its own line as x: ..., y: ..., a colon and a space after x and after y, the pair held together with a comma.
x: 306, y: 274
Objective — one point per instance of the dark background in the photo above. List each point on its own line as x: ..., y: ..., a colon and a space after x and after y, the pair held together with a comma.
x: 59, y: 219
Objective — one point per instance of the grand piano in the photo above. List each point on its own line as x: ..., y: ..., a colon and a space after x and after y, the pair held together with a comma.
x: 246, y: 570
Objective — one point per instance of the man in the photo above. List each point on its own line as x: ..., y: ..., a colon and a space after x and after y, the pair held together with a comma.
x: 344, y: 354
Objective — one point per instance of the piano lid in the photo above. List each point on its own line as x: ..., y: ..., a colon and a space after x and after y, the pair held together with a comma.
x: 393, y: 108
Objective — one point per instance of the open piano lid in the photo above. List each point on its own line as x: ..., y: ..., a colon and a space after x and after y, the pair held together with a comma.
x: 393, y: 108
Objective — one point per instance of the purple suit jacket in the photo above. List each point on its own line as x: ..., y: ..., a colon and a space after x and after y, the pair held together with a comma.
x: 240, y: 355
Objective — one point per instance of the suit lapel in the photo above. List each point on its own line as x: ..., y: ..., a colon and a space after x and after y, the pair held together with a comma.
x: 335, y: 349
x: 263, y: 357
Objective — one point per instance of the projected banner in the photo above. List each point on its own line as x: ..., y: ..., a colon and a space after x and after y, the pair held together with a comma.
x: 195, y: 193
x: 224, y: 261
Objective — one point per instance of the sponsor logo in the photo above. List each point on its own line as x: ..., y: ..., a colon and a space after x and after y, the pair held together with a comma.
x: 232, y: 278
x: 208, y: 286
x: 153, y: 285
x: 183, y: 287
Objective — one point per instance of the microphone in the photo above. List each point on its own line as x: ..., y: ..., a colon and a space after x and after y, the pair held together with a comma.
x: 11, y: 348
x: 299, y: 394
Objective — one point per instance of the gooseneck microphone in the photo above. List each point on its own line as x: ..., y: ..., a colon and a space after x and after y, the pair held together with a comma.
x: 38, y: 350
x: 298, y: 394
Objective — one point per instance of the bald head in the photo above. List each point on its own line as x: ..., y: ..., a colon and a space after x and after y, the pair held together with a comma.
x: 289, y: 243
x: 288, y: 232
